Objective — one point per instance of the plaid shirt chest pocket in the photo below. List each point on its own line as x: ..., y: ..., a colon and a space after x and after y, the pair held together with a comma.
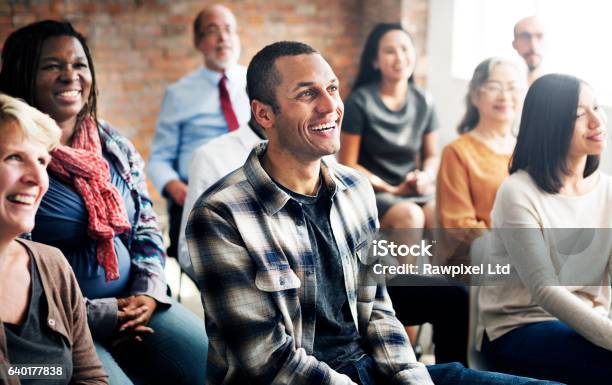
x: 366, y: 284
x: 283, y: 285
x: 276, y: 279
x: 359, y: 247
x: 361, y: 250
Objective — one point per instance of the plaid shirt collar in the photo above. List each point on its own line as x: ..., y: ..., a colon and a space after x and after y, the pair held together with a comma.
x: 268, y: 194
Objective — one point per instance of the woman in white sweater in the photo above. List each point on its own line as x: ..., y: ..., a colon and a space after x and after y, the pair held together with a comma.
x: 549, y: 318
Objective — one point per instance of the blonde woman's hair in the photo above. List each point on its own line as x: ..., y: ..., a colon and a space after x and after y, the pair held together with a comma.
x: 33, y: 124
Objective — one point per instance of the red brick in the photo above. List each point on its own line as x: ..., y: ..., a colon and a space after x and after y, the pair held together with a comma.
x: 140, y: 47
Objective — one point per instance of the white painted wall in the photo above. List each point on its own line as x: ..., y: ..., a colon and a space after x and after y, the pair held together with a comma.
x: 449, y: 92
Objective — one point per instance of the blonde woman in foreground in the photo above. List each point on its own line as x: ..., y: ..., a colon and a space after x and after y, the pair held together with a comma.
x: 42, y: 313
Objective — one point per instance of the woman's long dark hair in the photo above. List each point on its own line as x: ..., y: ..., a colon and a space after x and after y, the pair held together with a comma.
x: 21, y: 56
x: 367, y: 73
x: 546, y: 130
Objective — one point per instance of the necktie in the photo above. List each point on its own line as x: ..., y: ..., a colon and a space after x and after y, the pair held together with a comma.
x: 226, y: 105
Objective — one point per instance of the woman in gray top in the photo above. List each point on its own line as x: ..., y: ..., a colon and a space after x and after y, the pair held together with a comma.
x: 389, y: 130
x: 388, y: 133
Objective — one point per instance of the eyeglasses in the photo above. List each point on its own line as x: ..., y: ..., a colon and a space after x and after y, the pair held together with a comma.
x: 526, y: 36
x: 216, y: 31
x: 496, y: 88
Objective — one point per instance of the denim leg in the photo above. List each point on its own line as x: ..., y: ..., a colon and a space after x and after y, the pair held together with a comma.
x: 456, y: 374
x: 367, y: 371
x: 175, y: 354
x: 116, y: 376
x: 362, y: 371
x: 550, y: 350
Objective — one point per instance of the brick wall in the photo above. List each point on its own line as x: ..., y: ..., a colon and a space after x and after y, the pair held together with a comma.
x: 141, y: 46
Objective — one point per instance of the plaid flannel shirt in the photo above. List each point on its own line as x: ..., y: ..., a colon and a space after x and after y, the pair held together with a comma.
x: 253, y: 259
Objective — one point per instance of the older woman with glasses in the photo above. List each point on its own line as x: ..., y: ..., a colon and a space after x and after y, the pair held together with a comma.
x: 475, y: 164
x: 42, y: 314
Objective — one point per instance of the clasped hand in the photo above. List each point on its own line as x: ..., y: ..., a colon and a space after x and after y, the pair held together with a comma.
x: 416, y: 182
x: 134, y: 313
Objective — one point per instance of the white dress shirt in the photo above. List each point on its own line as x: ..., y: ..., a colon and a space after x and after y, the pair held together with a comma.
x: 211, y: 162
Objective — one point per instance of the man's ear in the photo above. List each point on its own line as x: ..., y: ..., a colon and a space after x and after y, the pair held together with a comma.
x: 197, y: 39
x: 263, y: 114
x: 514, y: 43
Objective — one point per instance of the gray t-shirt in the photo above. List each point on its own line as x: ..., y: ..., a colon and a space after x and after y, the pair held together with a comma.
x: 336, y: 341
x: 391, y: 141
x: 33, y: 342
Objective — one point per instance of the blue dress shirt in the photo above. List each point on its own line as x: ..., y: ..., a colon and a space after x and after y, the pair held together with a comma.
x: 190, y: 116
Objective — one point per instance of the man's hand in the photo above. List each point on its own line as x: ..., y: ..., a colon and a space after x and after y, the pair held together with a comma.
x: 177, y: 191
x: 135, y: 311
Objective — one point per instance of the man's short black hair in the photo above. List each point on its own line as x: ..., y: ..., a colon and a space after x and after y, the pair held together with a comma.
x: 262, y: 76
x: 546, y: 130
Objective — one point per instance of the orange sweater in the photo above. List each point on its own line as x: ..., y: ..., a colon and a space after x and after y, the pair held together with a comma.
x: 469, y: 176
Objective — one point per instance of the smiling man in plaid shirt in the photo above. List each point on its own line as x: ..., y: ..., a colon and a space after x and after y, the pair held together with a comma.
x: 277, y: 244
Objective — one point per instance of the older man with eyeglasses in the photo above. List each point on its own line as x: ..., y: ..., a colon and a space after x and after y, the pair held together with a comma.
x: 529, y: 44
x: 200, y: 106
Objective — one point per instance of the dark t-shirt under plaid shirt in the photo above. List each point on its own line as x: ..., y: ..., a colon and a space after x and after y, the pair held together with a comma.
x: 336, y: 341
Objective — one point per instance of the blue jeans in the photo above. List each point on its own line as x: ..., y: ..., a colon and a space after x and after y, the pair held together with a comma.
x: 549, y: 350
x: 175, y: 354
x: 363, y: 372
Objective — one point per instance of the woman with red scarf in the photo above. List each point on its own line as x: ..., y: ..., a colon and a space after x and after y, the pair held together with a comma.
x: 98, y: 212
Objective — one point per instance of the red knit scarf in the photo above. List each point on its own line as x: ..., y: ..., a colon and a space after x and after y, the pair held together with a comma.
x: 84, y: 167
